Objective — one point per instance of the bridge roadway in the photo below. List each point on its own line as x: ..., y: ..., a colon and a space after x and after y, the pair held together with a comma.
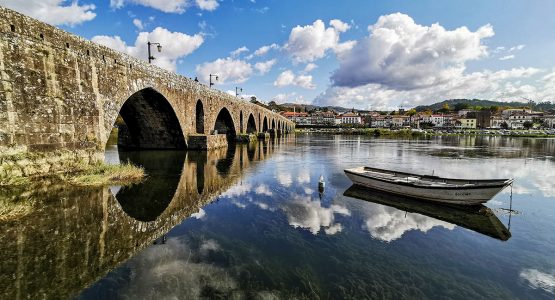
x: 60, y: 93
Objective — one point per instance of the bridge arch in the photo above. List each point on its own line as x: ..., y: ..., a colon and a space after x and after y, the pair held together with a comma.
x: 199, y: 117
x: 251, y: 124
x: 150, y: 122
x: 265, y: 124
x: 224, y: 124
x: 273, y: 124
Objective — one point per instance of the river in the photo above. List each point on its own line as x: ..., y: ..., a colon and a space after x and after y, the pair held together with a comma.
x: 252, y: 222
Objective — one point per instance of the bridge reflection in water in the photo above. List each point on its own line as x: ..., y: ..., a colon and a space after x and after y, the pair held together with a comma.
x: 76, y: 235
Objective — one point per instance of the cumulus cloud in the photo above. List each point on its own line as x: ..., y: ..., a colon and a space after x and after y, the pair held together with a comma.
x: 310, y: 66
x: 209, y: 5
x: 289, y: 78
x: 311, y: 42
x: 138, y: 23
x: 388, y: 224
x: 404, y: 63
x: 265, y: 49
x: 263, y: 190
x: 199, y: 215
x: 403, y: 55
x: 305, y: 213
x: 175, y: 271
x: 227, y: 69
x: 265, y: 67
x: 238, y: 51
x: 507, y: 57
x: 173, y: 6
x: 54, y: 12
x: 175, y: 45
x: 538, y: 280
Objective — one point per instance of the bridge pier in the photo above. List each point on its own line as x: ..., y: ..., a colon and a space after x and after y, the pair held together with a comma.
x: 246, y: 138
x: 262, y: 136
x: 206, y: 142
x: 272, y: 133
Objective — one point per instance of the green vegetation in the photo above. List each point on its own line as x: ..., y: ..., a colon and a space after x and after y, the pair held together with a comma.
x: 11, y: 210
x: 19, y: 168
x: 102, y: 174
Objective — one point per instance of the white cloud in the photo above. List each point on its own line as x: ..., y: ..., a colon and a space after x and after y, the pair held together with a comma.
x: 539, y: 280
x: 310, y: 66
x: 311, y: 42
x: 173, y: 6
x: 265, y: 67
x: 238, y: 51
x: 55, y: 12
x: 227, y: 69
x: 507, y: 57
x: 199, y: 215
x: 209, y: 5
x: 173, y: 271
x: 340, y: 25
x: 304, y: 213
x: 403, y: 55
x: 388, y: 224
x: 238, y: 189
x: 403, y: 63
x: 265, y: 49
x: 138, y: 23
x: 289, y: 78
x: 263, y: 190
x: 175, y: 45
x: 304, y: 176
x: 483, y: 85
x: 284, y: 178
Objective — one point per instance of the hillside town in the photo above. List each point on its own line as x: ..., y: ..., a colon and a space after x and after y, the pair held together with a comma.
x: 457, y: 118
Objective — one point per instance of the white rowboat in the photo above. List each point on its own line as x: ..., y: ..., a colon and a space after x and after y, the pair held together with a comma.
x: 426, y: 187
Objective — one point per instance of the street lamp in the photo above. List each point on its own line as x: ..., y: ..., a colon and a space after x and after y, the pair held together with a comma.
x: 237, y: 91
x: 217, y: 78
x: 158, y: 46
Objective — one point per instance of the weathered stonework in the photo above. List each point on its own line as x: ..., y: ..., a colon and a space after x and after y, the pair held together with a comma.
x: 207, y: 141
x: 60, y: 92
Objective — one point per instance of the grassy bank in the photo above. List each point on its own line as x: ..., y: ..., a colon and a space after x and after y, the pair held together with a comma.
x: 102, y: 174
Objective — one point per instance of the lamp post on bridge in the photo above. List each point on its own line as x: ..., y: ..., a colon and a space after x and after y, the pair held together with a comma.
x: 211, y: 83
x: 237, y: 91
x: 150, y: 57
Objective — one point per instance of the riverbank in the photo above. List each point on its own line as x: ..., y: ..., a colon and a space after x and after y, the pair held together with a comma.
x: 384, y: 132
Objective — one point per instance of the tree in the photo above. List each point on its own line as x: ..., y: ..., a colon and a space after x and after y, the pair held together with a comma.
x: 253, y: 99
x: 494, y: 109
x: 461, y: 106
x: 411, y: 112
x: 527, y: 125
x: 445, y: 109
x: 504, y: 125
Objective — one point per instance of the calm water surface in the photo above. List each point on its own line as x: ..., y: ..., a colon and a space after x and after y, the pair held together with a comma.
x: 252, y: 222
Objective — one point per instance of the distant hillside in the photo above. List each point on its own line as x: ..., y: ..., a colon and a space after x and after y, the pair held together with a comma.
x: 312, y: 107
x: 484, y: 103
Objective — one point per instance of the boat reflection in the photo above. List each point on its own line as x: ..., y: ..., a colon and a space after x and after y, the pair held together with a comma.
x: 477, y: 218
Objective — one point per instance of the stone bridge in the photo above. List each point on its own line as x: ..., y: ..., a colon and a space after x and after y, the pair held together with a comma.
x: 80, y: 234
x: 60, y: 92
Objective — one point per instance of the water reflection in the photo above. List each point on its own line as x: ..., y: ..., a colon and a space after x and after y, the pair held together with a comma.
x: 79, y: 234
x: 480, y: 218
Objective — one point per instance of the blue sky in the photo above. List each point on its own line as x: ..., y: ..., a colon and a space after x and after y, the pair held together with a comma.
x: 323, y: 51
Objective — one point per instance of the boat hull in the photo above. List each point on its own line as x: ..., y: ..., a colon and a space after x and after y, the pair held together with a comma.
x: 458, y: 196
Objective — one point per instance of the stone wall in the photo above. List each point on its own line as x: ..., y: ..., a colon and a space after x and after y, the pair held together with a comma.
x: 60, y: 92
